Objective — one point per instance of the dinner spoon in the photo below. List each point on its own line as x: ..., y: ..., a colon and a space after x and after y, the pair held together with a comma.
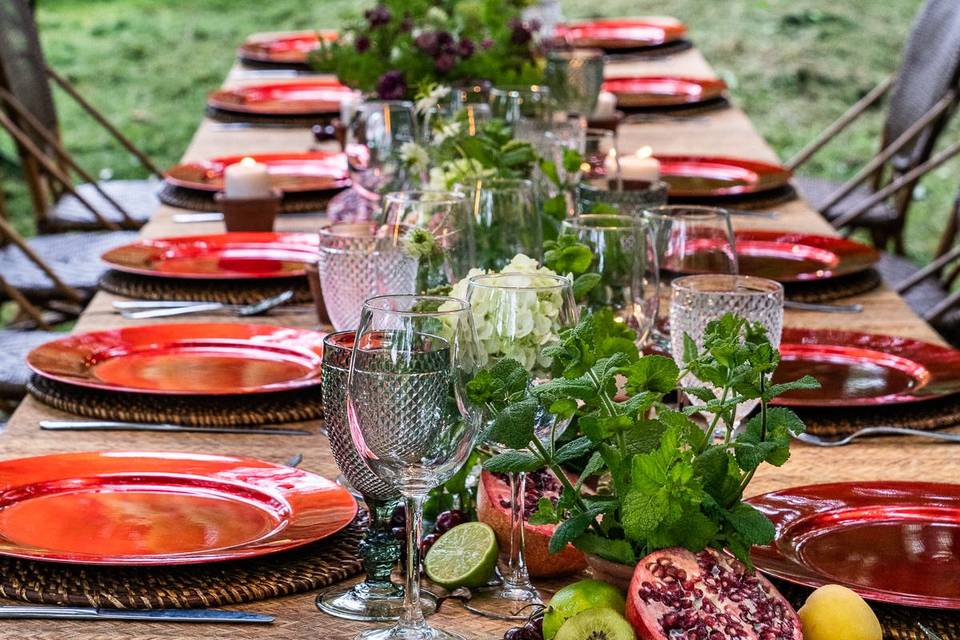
x: 820, y: 441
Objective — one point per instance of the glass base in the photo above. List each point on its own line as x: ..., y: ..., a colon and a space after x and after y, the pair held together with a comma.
x: 406, y: 633
x: 506, y: 603
x: 365, y: 604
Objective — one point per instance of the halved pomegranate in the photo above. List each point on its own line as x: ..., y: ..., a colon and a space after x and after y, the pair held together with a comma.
x: 493, y: 507
x: 677, y: 594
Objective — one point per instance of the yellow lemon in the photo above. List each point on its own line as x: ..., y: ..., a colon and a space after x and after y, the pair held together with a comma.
x: 833, y: 612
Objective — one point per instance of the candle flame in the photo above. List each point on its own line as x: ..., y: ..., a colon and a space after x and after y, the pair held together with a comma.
x: 645, y: 151
x: 248, y: 162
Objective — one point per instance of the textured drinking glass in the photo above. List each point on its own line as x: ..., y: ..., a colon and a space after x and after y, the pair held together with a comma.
x: 359, y: 260
x: 528, y: 102
x: 409, y: 415
x: 625, y: 257
x: 696, y: 300
x: 689, y: 239
x: 628, y: 201
x: 375, y: 134
x: 517, y: 315
x: 505, y: 220
x: 376, y: 598
x: 575, y: 77
x: 438, y: 232
x: 600, y: 156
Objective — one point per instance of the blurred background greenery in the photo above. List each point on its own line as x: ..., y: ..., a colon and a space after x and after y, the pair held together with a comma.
x: 793, y: 65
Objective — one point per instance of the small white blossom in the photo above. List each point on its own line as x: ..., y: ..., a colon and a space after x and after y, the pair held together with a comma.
x: 436, y: 15
x: 429, y: 101
x: 447, y: 130
x: 414, y: 155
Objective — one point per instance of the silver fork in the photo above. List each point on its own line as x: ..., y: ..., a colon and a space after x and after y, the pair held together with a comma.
x: 242, y: 310
x: 820, y: 441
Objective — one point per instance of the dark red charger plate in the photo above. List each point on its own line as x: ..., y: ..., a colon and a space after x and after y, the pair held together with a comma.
x: 319, y: 96
x: 293, y: 172
x: 715, y: 176
x: 663, y: 91
x: 278, y: 48
x: 162, y: 508
x: 800, y: 257
x: 862, y: 369
x: 621, y: 33
x: 895, y: 542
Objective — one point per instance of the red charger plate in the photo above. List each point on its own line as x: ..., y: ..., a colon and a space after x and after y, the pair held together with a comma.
x: 221, y: 256
x: 185, y: 359
x: 289, y: 172
x: 319, y: 96
x: 798, y: 257
x: 710, y: 177
x: 622, y: 33
x: 280, y: 48
x: 152, y: 508
x: 663, y: 91
x: 861, y: 369
x: 896, y: 542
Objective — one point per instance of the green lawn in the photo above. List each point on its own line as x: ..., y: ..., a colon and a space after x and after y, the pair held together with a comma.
x: 793, y: 65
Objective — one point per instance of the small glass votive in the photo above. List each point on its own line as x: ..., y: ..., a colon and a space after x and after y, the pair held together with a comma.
x: 640, y: 195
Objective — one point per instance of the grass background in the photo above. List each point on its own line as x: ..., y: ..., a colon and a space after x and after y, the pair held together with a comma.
x: 793, y: 65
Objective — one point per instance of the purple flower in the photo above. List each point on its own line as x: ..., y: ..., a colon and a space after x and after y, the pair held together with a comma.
x: 427, y: 41
x: 519, y: 33
x: 445, y: 41
x: 486, y: 43
x: 444, y: 62
x: 391, y: 85
x: 466, y: 48
x: 406, y: 24
x: 362, y: 44
x: 377, y: 16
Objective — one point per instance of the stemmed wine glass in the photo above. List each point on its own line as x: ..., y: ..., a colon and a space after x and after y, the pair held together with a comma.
x: 517, y: 315
x: 409, y: 415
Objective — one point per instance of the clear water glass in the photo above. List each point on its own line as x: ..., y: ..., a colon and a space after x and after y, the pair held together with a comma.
x: 689, y: 239
x: 517, y: 103
x: 359, y: 260
x: 698, y: 299
x: 505, y: 220
x: 374, y: 137
x: 624, y: 254
x: 517, y: 315
x: 633, y: 201
x: 409, y: 415
x: 600, y: 155
x: 575, y: 77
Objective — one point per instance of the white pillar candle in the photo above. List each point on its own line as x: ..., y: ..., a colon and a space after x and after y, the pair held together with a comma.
x: 640, y: 166
x: 246, y: 179
x: 606, y: 106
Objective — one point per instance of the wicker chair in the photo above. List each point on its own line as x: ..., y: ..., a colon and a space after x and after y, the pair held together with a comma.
x: 28, y: 114
x: 923, y: 96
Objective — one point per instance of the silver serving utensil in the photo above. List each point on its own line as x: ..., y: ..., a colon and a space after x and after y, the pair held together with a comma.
x: 109, y: 425
x: 241, y: 310
x: 181, y: 218
x: 294, y: 460
x: 820, y: 441
x: 53, y: 612
x: 823, y: 308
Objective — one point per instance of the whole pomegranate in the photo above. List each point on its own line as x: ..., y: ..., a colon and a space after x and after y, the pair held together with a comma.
x: 675, y: 593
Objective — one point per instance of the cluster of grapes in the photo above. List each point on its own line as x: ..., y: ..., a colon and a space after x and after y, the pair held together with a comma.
x: 445, y: 521
x: 532, y: 629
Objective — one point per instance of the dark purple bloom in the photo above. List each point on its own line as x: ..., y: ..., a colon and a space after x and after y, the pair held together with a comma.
x: 466, y: 48
x: 362, y: 44
x: 427, y: 41
x: 377, y: 16
x: 406, y: 24
x: 391, y: 86
x: 486, y: 43
x: 444, y: 62
x: 519, y: 33
x: 445, y: 41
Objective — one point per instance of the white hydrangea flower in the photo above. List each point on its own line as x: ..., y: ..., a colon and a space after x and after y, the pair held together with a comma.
x: 446, y: 130
x: 414, y: 155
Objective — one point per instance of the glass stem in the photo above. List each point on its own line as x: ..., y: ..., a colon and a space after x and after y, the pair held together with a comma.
x: 380, y: 551
x: 517, y: 576
x: 412, y: 616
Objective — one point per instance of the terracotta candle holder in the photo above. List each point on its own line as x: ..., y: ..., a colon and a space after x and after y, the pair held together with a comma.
x: 249, y: 214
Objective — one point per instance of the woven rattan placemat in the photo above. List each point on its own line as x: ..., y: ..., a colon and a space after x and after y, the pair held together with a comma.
x: 762, y: 200
x: 187, y: 586
x: 222, y: 115
x: 653, y: 51
x: 636, y: 115
x: 251, y: 410
x: 225, y: 291
x: 307, y: 202
x: 899, y: 623
x: 838, y: 421
x: 833, y: 288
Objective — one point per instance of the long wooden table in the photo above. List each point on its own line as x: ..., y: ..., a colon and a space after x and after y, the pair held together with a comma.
x: 728, y: 132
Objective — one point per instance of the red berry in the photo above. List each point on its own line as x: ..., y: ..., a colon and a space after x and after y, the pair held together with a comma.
x: 427, y: 542
x: 448, y: 520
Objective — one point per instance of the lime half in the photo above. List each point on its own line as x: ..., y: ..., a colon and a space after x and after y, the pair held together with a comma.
x: 465, y: 556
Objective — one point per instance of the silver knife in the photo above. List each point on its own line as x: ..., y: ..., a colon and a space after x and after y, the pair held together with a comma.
x: 104, y: 425
x: 148, y: 615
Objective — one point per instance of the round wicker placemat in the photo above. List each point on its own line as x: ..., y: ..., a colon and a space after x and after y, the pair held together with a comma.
x: 833, y: 288
x: 267, y: 64
x: 650, y: 51
x: 306, y: 202
x: 762, y: 200
x: 250, y: 410
x: 254, y: 119
x: 839, y: 421
x: 637, y: 115
x: 225, y: 291
x: 899, y: 623
x: 186, y: 586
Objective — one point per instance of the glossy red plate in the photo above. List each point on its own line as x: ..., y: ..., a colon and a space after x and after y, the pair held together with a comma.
x: 289, y: 172
x: 896, y: 542
x: 221, y: 256
x: 798, y: 257
x: 319, y: 96
x: 185, y: 359
x: 710, y: 177
x: 859, y: 369
x: 622, y: 33
x: 280, y: 48
x: 663, y: 91
x: 151, y: 508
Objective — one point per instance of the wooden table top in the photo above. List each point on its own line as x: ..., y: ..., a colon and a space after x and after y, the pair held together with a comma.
x: 728, y: 132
